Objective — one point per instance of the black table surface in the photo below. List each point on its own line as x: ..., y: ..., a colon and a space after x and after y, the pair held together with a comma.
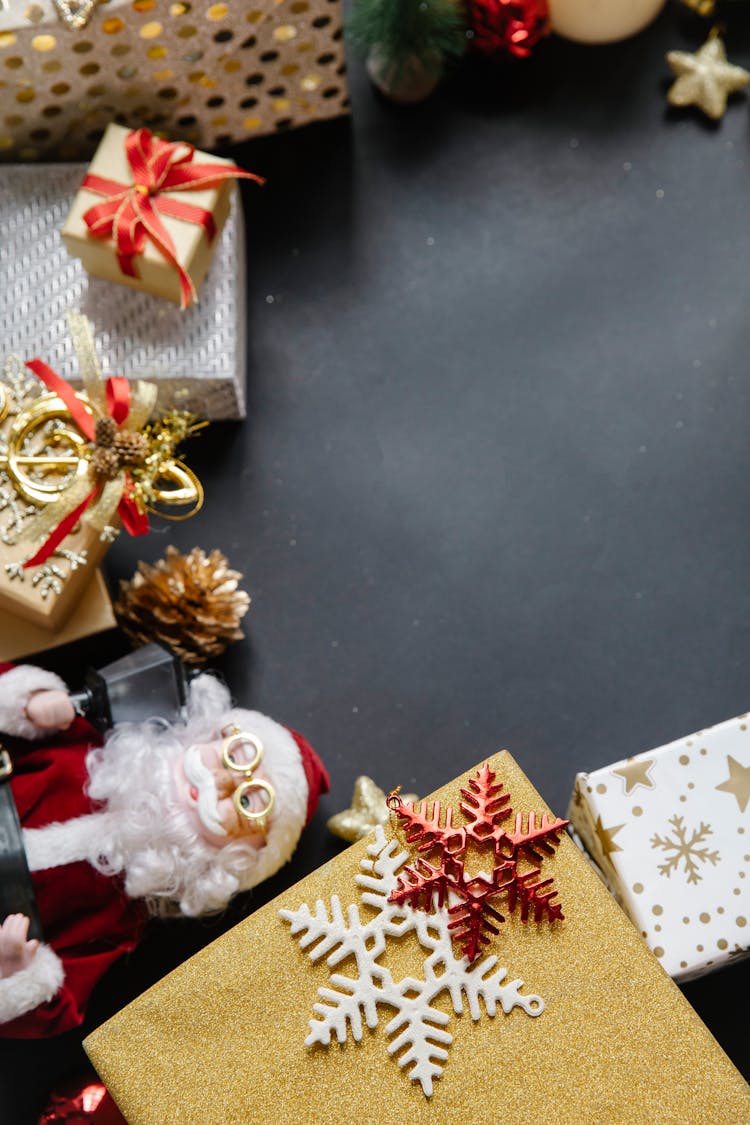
x: 492, y: 489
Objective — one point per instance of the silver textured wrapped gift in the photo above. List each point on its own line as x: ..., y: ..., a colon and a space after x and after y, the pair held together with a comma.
x: 196, y: 357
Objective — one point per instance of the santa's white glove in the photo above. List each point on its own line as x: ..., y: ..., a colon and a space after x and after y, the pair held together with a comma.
x: 16, y: 951
x: 50, y: 710
x: 30, y: 972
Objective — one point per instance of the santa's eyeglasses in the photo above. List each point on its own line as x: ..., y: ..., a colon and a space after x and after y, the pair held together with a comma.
x: 242, y: 752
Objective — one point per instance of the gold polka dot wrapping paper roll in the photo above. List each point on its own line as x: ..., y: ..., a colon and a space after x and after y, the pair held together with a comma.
x: 616, y: 1041
x: 202, y: 72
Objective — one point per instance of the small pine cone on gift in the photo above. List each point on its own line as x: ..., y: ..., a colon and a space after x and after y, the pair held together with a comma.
x: 189, y: 602
x: 105, y: 431
x: 105, y: 463
x: 130, y: 446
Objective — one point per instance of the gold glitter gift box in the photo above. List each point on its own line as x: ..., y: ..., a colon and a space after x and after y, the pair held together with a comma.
x: 670, y: 833
x: 222, y: 1038
x: 200, y: 71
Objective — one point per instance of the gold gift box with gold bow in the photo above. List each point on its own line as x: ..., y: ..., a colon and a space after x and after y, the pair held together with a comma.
x: 70, y: 474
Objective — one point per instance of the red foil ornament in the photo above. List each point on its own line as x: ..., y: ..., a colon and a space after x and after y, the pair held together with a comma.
x: 507, y: 27
x: 81, y: 1100
x: 486, y: 810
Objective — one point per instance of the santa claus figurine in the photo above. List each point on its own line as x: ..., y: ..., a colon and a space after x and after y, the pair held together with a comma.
x: 161, y: 819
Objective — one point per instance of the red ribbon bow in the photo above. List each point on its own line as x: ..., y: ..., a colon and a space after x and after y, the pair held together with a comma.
x: 118, y: 407
x: 130, y: 213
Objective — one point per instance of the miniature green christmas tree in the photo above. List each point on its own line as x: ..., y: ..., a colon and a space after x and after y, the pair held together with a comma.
x: 406, y: 42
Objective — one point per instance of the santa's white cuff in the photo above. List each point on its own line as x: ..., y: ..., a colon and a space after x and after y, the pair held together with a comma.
x: 16, y: 688
x: 32, y: 986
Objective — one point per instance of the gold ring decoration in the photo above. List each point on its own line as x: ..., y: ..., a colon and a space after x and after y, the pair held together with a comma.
x: 45, y: 450
x: 241, y: 738
x: 242, y: 802
x: 176, y: 485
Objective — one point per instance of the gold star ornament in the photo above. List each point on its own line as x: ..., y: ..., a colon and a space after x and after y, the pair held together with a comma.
x: 705, y: 79
x: 368, y: 809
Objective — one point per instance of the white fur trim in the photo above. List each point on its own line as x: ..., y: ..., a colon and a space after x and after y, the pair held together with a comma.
x: 30, y: 987
x: 282, y: 766
x: 60, y: 843
x: 207, y: 697
x: 16, y: 688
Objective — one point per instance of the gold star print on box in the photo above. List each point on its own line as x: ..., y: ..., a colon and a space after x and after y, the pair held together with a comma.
x: 738, y: 782
x: 705, y: 79
x: 634, y: 772
x: 670, y: 831
x: 606, y: 837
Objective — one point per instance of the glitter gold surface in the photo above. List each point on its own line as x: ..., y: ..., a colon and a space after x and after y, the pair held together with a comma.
x: 220, y: 1040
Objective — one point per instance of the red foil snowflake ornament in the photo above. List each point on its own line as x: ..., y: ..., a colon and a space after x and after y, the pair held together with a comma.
x: 475, y: 898
x: 512, y: 27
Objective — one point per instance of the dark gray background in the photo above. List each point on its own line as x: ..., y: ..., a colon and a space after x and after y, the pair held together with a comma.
x: 493, y: 485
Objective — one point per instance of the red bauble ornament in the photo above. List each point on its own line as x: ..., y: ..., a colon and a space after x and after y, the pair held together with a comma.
x: 502, y: 27
x: 81, y: 1100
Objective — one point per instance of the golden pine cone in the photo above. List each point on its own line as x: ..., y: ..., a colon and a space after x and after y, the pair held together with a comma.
x: 105, y: 462
x: 189, y: 602
x: 105, y: 430
x: 130, y: 446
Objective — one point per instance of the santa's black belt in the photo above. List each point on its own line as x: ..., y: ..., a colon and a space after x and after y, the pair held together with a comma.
x: 16, y: 889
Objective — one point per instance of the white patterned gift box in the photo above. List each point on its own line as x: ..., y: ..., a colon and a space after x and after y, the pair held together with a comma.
x: 196, y: 357
x: 670, y: 833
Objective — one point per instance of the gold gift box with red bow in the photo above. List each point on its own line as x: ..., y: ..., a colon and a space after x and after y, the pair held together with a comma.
x: 149, y: 213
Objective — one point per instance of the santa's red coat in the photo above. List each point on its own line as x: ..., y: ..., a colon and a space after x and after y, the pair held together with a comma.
x: 87, y: 919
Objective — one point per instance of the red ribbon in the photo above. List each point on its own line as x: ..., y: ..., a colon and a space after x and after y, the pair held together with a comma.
x: 130, y: 213
x: 118, y: 405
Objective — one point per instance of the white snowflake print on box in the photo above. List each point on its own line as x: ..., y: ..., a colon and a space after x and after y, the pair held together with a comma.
x: 670, y: 831
x: 417, y: 1026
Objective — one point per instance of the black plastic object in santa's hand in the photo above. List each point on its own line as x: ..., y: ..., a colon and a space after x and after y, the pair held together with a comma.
x: 16, y: 890
x: 147, y: 683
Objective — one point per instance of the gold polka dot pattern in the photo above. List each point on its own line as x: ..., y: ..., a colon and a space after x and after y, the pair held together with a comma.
x: 201, y: 71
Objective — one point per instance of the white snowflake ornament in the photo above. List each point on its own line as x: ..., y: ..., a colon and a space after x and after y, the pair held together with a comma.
x: 417, y: 1026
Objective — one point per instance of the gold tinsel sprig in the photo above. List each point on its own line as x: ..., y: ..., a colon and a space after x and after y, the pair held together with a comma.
x: 192, y: 603
x: 147, y: 455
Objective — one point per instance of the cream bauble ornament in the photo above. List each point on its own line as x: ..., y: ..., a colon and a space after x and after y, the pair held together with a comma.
x: 601, y: 21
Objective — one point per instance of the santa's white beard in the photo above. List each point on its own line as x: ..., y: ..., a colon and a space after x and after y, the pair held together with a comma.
x: 152, y: 840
